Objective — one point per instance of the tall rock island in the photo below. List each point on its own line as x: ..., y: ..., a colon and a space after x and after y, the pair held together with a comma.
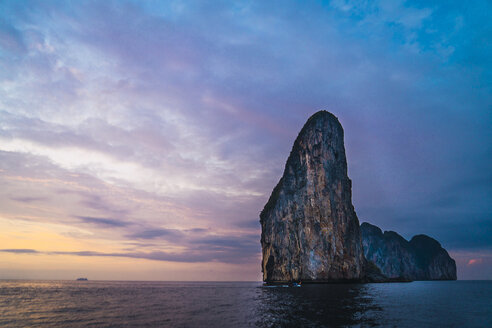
x: 310, y: 231
x: 421, y: 258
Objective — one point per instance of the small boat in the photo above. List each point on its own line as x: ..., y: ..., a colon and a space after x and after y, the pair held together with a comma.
x: 82, y: 279
x: 296, y: 284
x: 275, y: 286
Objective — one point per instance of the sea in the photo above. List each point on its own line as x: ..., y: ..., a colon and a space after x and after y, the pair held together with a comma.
x: 25, y: 303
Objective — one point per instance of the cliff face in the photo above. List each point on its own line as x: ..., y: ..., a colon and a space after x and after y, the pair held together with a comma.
x: 434, y: 260
x: 422, y: 258
x: 310, y: 231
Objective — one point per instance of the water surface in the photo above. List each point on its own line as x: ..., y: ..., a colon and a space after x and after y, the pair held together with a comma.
x: 243, y: 304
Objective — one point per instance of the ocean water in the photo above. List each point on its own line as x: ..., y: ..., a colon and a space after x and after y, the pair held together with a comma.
x: 243, y: 304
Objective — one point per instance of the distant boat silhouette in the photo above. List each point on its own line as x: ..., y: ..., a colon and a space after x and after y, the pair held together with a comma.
x: 82, y: 279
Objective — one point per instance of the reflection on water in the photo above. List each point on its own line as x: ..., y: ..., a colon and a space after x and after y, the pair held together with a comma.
x: 316, y: 305
x: 232, y: 304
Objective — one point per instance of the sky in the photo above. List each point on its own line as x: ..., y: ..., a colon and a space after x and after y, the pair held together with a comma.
x: 139, y: 140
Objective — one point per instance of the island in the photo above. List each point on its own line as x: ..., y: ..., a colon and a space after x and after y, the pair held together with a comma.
x: 310, y: 230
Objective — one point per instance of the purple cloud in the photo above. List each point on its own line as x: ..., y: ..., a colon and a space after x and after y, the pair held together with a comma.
x: 20, y: 251
x: 104, y: 222
x: 168, y: 234
x: 28, y: 199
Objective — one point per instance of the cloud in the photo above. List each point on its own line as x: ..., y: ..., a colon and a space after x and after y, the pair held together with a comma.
x: 20, y: 251
x: 168, y: 234
x: 202, y: 244
x: 474, y: 261
x: 105, y: 222
x: 96, y: 202
x: 11, y: 38
x: 195, y: 256
x: 28, y: 199
x: 187, y: 257
x: 227, y: 241
x: 249, y: 224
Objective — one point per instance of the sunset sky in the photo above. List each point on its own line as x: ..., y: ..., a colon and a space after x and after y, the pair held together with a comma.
x: 139, y: 140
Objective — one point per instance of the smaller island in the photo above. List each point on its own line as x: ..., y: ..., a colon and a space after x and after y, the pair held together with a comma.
x: 421, y: 258
x: 82, y: 279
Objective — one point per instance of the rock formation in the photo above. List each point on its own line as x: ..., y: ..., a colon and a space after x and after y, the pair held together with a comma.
x: 422, y: 258
x: 310, y: 231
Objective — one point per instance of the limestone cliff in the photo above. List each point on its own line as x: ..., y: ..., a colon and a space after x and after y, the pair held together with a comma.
x: 422, y: 258
x: 310, y: 231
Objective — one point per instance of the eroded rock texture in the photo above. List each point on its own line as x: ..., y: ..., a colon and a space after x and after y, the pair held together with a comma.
x: 310, y: 231
x: 421, y: 258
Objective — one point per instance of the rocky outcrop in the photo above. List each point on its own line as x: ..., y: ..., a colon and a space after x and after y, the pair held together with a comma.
x: 421, y: 258
x: 310, y: 231
x: 434, y: 260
